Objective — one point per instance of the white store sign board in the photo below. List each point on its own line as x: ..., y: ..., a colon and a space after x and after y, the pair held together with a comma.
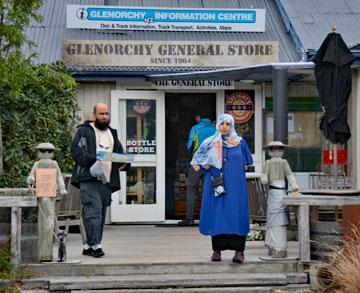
x: 165, y: 19
x: 168, y: 53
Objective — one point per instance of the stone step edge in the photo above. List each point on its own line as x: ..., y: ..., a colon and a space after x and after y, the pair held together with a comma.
x: 252, y: 289
x: 163, y: 281
x: 39, y: 270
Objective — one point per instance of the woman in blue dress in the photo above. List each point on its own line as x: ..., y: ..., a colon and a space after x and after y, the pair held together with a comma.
x: 225, y: 216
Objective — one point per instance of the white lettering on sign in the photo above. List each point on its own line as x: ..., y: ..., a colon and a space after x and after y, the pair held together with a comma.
x: 141, y: 146
x: 165, y: 19
x: 218, y: 84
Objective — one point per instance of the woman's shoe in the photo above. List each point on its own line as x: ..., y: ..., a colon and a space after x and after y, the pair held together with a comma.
x: 238, y: 257
x: 186, y: 222
x: 216, y: 256
x: 279, y: 254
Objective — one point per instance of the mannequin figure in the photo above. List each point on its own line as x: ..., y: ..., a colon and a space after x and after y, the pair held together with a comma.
x: 46, y: 205
x: 275, y: 172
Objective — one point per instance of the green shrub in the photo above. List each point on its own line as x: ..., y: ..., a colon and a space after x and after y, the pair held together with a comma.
x: 5, y: 265
x: 38, y: 104
x: 6, y: 271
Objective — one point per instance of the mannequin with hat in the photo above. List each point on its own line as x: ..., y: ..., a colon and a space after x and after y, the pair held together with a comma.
x: 275, y: 173
x: 46, y: 205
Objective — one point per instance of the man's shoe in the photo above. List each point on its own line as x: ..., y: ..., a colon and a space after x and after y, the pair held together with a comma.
x: 216, y: 256
x: 238, y: 257
x: 186, y: 222
x: 88, y: 251
x: 98, y: 253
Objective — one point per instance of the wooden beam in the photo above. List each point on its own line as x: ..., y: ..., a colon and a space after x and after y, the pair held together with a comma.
x: 15, y: 236
x: 18, y: 201
x: 15, y: 192
x: 319, y: 200
x: 304, y: 233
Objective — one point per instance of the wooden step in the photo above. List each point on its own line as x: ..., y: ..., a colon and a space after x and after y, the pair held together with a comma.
x: 256, y: 289
x: 61, y: 269
x: 172, y: 281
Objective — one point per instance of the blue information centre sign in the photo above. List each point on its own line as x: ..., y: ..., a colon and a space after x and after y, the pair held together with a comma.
x: 165, y: 19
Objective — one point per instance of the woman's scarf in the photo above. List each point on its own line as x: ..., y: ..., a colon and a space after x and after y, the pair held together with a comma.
x: 210, y: 151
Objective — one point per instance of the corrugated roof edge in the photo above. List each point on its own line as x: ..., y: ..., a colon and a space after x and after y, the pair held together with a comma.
x: 295, y: 37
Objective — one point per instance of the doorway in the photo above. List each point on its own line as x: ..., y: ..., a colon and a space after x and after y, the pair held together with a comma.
x: 139, y: 118
x: 180, y: 111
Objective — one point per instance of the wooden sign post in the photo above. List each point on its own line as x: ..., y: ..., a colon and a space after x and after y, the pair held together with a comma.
x: 46, y: 185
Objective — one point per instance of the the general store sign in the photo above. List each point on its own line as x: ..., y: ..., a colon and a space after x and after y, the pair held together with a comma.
x: 188, y: 84
x: 168, y: 54
x: 165, y: 19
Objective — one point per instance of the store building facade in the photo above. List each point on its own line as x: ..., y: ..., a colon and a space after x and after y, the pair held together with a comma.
x: 116, y: 65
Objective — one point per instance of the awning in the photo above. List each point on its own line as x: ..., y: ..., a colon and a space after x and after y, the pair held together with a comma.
x: 256, y: 73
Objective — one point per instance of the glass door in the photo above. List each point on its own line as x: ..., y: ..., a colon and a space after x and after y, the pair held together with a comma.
x: 139, y: 117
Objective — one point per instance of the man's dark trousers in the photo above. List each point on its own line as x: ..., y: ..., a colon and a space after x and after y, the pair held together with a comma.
x: 95, y: 198
x: 192, y: 186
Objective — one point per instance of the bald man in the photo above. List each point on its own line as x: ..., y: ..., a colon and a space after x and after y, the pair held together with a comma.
x: 95, y: 194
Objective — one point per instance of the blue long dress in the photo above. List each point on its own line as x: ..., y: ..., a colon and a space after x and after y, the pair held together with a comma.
x: 228, y: 213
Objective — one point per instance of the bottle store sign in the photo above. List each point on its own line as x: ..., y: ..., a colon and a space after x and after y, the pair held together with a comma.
x: 141, y: 147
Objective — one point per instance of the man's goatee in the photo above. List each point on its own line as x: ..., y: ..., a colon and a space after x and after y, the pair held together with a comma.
x: 101, y: 125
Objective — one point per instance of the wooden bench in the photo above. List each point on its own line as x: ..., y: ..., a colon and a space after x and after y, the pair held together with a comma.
x: 257, y: 193
x: 68, y: 209
x: 303, y: 202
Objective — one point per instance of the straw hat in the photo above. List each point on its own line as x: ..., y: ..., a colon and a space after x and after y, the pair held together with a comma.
x: 277, y: 144
x: 45, y: 146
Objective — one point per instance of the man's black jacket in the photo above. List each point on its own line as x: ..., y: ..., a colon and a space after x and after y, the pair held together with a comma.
x: 83, y: 151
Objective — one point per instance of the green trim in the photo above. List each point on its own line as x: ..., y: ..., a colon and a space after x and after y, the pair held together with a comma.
x: 297, y: 103
x: 304, y: 160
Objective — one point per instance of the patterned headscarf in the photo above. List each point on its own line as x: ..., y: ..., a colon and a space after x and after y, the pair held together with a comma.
x: 210, y: 151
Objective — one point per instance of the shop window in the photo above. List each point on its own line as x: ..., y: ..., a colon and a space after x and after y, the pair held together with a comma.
x: 241, y: 105
x: 140, y: 186
x: 304, y: 154
x: 141, y: 127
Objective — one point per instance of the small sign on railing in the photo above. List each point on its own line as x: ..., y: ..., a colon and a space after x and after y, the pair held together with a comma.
x: 46, y: 182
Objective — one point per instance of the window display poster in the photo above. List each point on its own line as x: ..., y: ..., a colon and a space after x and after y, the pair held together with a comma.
x: 141, y: 127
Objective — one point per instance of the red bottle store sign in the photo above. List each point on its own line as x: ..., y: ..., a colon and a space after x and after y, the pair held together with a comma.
x: 240, y: 105
x: 328, y: 157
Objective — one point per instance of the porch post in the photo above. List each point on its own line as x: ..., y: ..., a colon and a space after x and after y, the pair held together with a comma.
x: 280, y: 105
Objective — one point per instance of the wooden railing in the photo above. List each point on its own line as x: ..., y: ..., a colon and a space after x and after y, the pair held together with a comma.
x: 303, y: 202
x: 16, y: 199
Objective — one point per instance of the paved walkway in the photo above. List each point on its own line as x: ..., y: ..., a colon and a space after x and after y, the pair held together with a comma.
x: 152, y: 244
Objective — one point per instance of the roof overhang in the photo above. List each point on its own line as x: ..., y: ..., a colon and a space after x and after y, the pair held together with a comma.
x: 256, y: 73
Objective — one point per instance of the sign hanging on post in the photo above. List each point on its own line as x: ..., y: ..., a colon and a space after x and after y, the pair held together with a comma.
x: 46, y: 182
x: 241, y: 106
x: 165, y: 19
